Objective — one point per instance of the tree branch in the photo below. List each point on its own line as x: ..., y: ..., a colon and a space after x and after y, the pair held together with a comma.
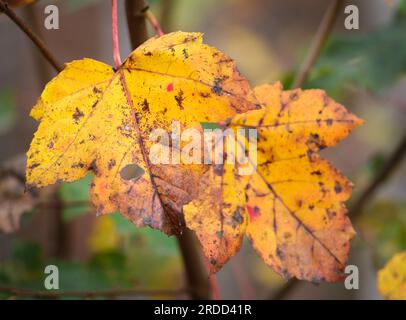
x: 325, y: 27
x: 394, y: 159
x: 196, y: 274
x: 90, y: 294
x: 37, y: 41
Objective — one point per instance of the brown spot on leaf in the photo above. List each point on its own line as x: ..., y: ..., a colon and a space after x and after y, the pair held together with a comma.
x: 179, y: 99
x: 111, y: 164
x: 131, y: 172
x: 145, y: 106
x: 217, y: 89
x: 337, y: 187
x: 77, y: 115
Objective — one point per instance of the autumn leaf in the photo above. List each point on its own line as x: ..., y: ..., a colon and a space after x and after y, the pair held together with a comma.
x: 13, y: 201
x: 292, y: 209
x: 392, y: 278
x: 104, y: 236
x: 94, y: 117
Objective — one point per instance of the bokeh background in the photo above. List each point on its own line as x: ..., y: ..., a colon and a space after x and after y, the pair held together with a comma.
x: 363, y: 69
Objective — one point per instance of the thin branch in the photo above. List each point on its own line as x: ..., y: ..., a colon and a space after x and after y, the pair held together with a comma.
x: 64, y: 204
x: 37, y: 41
x: 282, y: 292
x: 114, y: 32
x: 90, y: 294
x: 394, y: 159
x: 193, y: 262
x: 153, y: 21
x: 325, y: 27
x: 241, y: 277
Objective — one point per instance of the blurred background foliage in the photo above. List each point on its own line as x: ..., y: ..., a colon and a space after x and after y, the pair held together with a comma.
x: 364, y: 69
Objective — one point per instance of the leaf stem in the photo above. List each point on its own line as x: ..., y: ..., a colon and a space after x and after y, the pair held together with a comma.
x: 153, y: 21
x: 114, y: 31
x: 35, y: 39
x: 325, y: 27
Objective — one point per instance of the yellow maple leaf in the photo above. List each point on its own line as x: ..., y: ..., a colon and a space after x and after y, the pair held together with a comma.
x: 94, y: 117
x: 292, y: 207
x: 104, y: 236
x: 392, y: 278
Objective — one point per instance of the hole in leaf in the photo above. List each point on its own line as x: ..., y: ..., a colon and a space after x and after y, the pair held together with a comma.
x: 131, y: 171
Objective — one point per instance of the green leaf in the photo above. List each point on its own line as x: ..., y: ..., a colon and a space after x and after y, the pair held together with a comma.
x: 77, y: 191
x: 372, y: 61
x: 7, y: 110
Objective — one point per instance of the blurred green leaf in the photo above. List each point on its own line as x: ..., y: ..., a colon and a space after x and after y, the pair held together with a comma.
x: 27, y: 254
x: 7, y: 110
x: 124, y: 226
x: 372, y: 61
x: 77, y: 191
x: 375, y: 163
x: 384, y: 226
x: 401, y: 10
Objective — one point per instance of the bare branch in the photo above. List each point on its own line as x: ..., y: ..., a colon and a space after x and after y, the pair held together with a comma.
x: 90, y: 294
x: 325, y: 27
x: 37, y: 41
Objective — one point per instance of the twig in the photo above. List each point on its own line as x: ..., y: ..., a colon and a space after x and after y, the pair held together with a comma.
x: 282, y: 292
x: 356, y: 209
x: 114, y: 32
x: 383, y: 174
x: 153, y: 21
x: 40, y: 62
x: 320, y: 38
x: 64, y: 204
x: 245, y: 287
x: 90, y: 294
x: 37, y: 41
